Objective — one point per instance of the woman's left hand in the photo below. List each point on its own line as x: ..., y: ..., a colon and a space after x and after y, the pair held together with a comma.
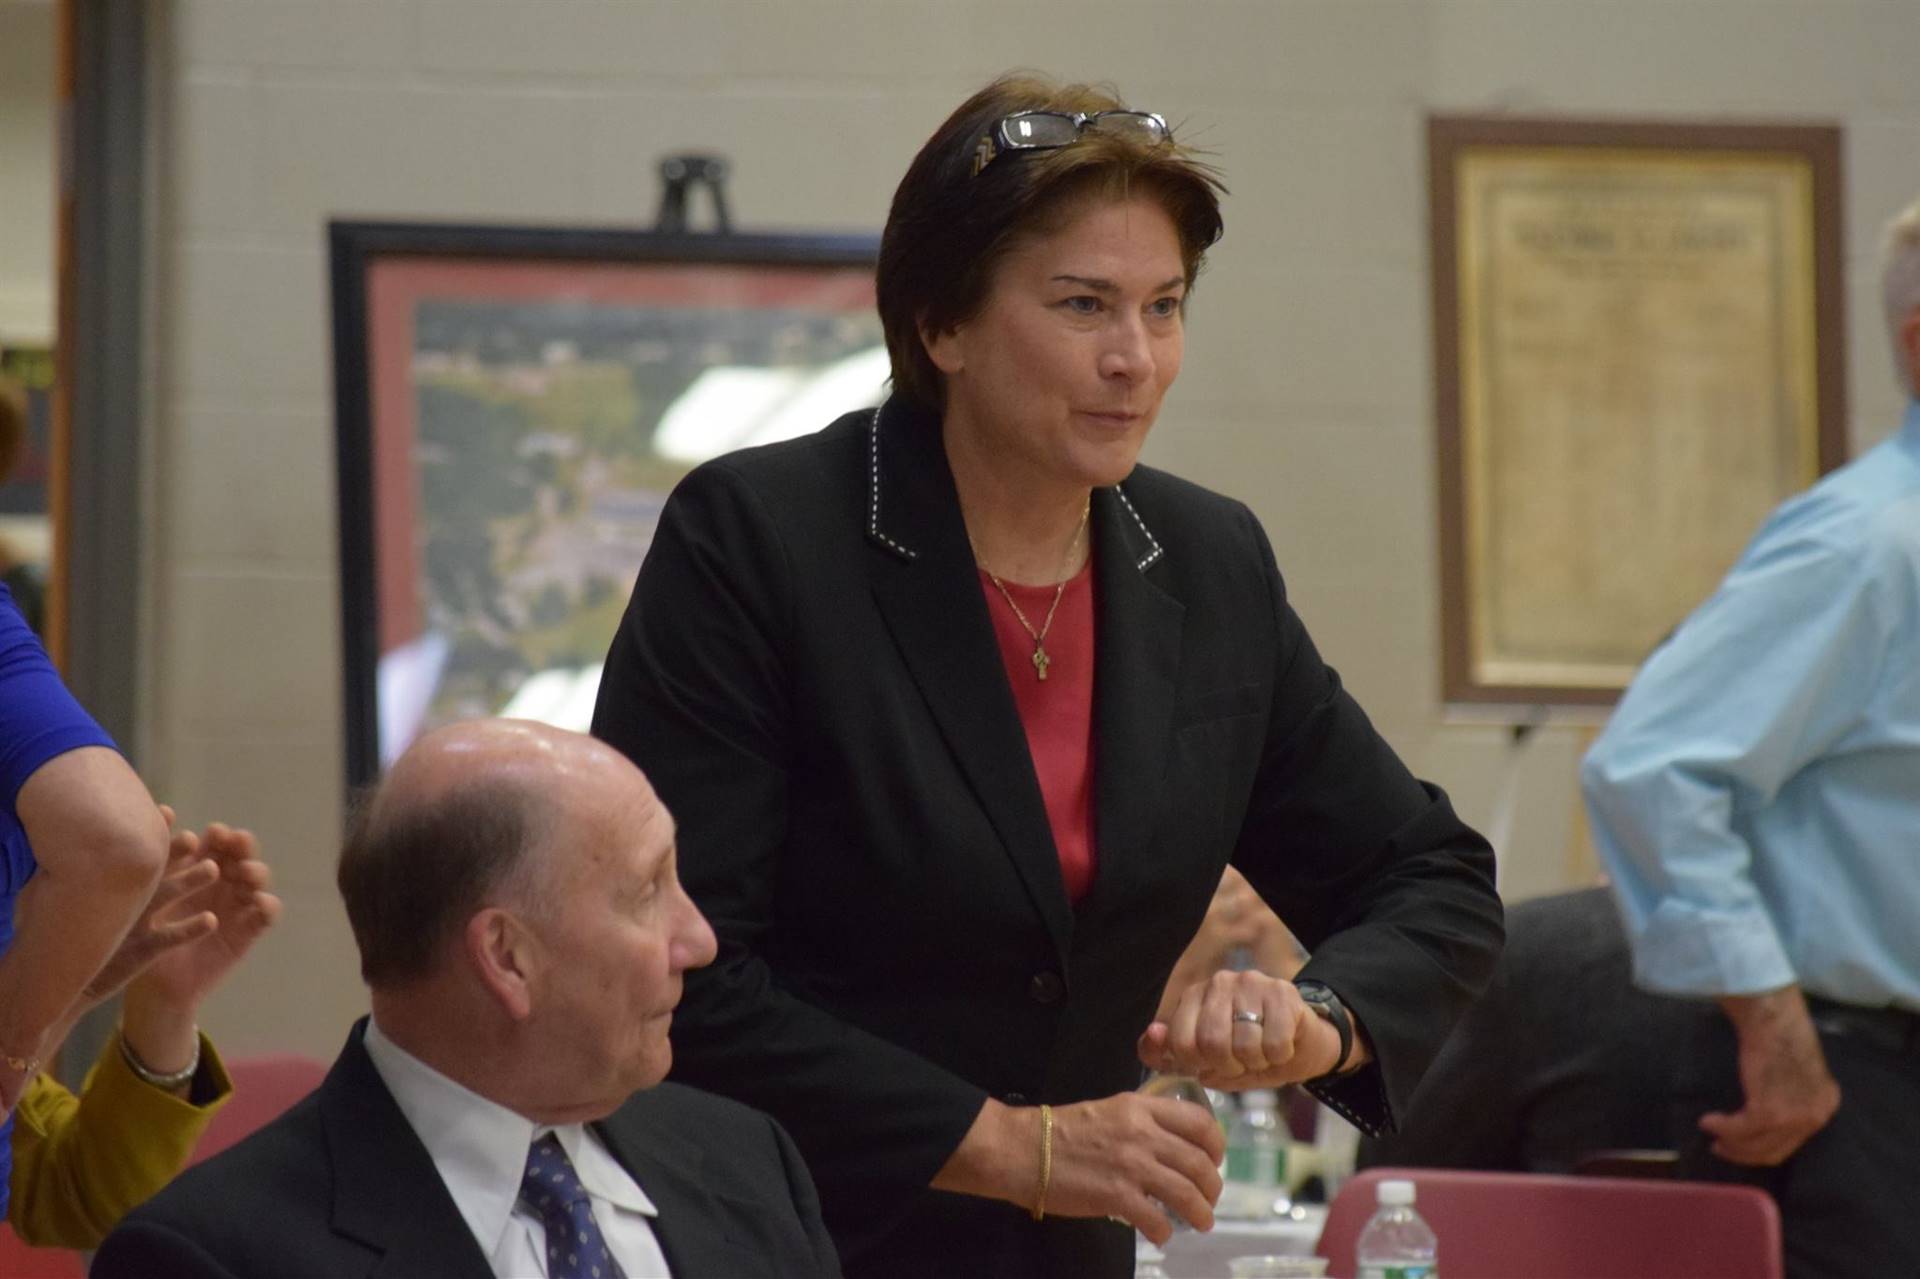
x: 220, y: 920
x: 1238, y: 1030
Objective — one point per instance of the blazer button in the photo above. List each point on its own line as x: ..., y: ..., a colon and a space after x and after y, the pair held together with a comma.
x: 1016, y: 1099
x: 1046, y: 987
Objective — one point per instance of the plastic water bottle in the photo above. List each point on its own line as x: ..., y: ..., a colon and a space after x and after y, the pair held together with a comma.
x: 1396, y: 1243
x: 1183, y: 1088
x: 1257, y: 1152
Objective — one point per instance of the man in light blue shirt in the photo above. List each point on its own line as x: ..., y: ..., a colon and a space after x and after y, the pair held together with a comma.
x: 1756, y: 797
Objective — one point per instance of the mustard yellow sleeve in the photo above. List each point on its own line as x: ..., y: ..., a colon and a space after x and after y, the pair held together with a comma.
x: 82, y: 1163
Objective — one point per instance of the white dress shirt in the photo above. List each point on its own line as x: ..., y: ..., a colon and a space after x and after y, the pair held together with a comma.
x: 480, y: 1149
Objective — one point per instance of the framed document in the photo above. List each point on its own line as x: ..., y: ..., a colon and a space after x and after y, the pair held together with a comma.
x: 515, y: 404
x: 1638, y: 353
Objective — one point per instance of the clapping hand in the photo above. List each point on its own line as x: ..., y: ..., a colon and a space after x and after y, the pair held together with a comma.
x: 198, y: 955
x: 210, y: 906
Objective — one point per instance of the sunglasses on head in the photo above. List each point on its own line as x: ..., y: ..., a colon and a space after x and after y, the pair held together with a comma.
x: 1048, y: 130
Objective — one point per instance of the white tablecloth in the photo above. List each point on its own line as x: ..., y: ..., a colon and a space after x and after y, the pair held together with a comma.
x: 1193, y: 1255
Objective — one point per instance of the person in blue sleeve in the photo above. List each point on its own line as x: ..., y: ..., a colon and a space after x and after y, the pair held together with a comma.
x: 81, y: 846
x: 1757, y: 799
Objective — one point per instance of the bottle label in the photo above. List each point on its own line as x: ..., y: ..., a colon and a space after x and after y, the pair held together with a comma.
x: 1412, y: 1270
x: 1256, y: 1166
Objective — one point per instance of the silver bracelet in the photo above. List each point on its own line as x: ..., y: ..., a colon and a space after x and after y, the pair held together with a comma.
x: 147, y: 1075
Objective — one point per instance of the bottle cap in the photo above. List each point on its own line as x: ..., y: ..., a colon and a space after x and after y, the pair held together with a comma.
x: 1395, y: 1193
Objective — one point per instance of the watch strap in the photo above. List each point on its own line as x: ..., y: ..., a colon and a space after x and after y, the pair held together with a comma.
x: 1320, y: 997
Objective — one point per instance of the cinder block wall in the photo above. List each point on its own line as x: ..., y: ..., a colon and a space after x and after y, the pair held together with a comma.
x: 26, y: 173
x: 1307, y: 385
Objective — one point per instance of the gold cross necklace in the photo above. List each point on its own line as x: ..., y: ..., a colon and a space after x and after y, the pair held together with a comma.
x: 1040, y: 659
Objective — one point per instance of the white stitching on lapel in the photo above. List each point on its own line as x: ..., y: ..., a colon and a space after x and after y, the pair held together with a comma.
x: 873, y: 491
x: 1157, y: 550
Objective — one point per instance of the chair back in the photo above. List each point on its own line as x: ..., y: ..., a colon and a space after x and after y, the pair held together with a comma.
x: 1515, y: 1225
x: 264, y: 1088
x: 17, y: 1261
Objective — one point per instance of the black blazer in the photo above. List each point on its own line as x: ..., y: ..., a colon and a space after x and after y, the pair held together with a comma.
x: 809, y: 675
x: 340, y: 1188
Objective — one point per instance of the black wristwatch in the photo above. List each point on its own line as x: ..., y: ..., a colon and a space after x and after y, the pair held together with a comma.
x: 1320, y: 997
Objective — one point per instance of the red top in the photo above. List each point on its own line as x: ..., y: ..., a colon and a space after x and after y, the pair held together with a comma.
x: 1057, y: 712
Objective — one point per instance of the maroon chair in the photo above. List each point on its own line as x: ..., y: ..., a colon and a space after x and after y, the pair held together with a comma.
x: 17, y: 1261
x: 1516, y: 1225
x: 264, y: 1088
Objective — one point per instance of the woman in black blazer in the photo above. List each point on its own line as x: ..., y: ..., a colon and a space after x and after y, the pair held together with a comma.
x: 962, y: 713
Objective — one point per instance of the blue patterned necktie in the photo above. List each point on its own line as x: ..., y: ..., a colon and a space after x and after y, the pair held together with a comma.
x: 575, y: 1247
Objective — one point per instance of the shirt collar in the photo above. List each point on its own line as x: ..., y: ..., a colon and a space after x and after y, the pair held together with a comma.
x: 480, y: 1147
x: 599, y: 1171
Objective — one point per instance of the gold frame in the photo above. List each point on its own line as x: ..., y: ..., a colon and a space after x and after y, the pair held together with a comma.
x: 1638, y: 352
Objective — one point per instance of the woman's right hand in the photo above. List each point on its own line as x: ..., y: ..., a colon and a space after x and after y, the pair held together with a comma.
x: 1130, y: 1157
x: 1136, y: 1157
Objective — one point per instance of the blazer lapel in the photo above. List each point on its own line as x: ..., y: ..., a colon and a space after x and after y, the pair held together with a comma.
x: 667, y: 1166
x: 927, y: 590
x: 387, y: 1193
x: 1137, y: 668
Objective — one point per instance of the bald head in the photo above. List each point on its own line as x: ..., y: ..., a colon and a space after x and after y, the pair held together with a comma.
x: 505, y: 752
x: 467, y: 817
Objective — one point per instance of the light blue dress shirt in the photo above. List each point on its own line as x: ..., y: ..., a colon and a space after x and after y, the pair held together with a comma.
x: 1756, y: 795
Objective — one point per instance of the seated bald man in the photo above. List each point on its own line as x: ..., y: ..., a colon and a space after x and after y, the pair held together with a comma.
x: 521, y: 927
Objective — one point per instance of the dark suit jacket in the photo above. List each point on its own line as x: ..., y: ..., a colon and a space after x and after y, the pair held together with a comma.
x: 809, y: 675
x: 340, y: 1187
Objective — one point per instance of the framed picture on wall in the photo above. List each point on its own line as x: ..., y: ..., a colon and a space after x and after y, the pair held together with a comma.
x: 1638, y: 352
x: 513, y: 407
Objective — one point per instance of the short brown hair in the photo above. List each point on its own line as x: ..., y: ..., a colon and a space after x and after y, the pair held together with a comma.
x: 412, y: 879
x: 949, y: 227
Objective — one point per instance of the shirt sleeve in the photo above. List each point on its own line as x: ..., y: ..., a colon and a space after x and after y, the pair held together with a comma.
x: 82, y: 1163
x: 39, y: 719
x: 1769, y: 674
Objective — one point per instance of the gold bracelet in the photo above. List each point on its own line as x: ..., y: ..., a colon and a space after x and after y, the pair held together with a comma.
x: 25, y: 1068
x: 1046, y: 1161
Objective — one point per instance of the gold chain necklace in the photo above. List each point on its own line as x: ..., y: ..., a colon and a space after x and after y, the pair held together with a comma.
x: 1040, y: 659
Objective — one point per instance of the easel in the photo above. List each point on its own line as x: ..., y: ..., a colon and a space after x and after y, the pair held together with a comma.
x: 680, y: 173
